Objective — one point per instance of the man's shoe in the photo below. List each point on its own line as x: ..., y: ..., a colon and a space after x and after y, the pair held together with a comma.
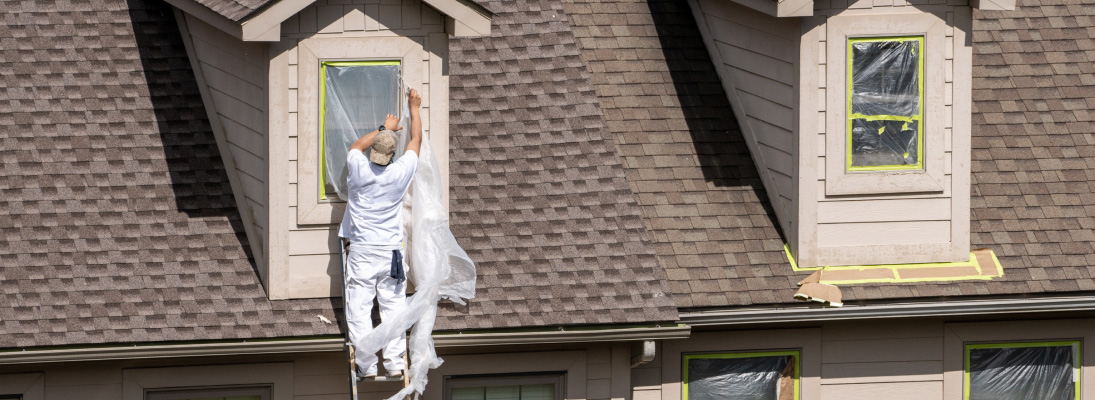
x: 395, y: 373
x: 364, y: 375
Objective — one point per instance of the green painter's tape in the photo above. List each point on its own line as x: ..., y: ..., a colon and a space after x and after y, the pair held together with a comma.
x: 919, y: 117
x: 323, y: 112
x: 796, y: 357
x: 1061, y: 343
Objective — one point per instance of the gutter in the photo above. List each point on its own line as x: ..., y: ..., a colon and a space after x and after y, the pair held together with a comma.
x: 752, y: 316
x: 314, y: 345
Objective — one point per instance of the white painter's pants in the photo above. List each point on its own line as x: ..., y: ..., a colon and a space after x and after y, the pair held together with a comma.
x: 369, y: 269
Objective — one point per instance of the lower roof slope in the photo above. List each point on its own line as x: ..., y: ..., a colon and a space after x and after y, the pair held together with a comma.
x: 538, y: 195
x: 117, y: 222
x: 701, y: 197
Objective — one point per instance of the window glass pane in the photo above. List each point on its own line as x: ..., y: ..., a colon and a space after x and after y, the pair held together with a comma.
x: 1044, y: 373
x: 356, y: 97
x: 538, y: 392
x: 885, y: 111
x: 753, y: 378
x: 469, y: 393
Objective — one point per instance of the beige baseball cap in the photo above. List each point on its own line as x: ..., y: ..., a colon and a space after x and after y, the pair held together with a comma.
x: 383, y: 148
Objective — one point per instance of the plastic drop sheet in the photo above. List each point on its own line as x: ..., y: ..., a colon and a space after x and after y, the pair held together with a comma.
x: 885, y: 111
x: 1022, y: 373
x: 752, y: 378
x: 356, y: 98
x: 439, y: 269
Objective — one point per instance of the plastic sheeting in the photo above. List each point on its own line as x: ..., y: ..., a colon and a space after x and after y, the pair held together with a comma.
x: 356, y: 98
x: 751, y: 378
x: 885, y: 107
x: 1023, y: 373
x: 358, y: 95
x: 439, y: 269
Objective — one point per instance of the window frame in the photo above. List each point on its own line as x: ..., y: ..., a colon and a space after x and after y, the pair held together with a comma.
x: 1077, y: 354
x: 29, y: 386
x: 136, y: 382
x: 796, y: 375
x: 310, y: 53
x: 456, y: 382
x: 931, y: 178
x: 323, y: 113
x: 919, y: 117
x: 209, y: 392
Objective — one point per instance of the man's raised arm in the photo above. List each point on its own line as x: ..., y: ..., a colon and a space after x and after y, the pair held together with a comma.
x: 390, y: 123
x: 415, y: 103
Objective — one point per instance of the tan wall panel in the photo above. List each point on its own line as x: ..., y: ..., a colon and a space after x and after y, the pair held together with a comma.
x: 937, y: 209
x: 883, y: 233
x: 889, y: 391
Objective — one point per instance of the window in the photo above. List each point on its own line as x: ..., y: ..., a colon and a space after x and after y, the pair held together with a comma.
x: 227, y: 393
x: 522, y: 387
x: 1027, y: 370
x: 766, y: 375
x: 885, y: 113
x: 354, y: 98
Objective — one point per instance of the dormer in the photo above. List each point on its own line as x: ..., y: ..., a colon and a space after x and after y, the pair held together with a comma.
x: 262, y: 69
x: 857, y: 115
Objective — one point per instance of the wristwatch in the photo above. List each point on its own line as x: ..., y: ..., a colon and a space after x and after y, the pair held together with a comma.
x: 380, y: 129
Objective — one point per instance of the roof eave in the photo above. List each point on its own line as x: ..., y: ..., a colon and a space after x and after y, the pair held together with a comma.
x: 465, y: 18
x: 805, y: 313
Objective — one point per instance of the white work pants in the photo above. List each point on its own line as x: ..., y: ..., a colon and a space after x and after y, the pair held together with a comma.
x: 369, y: 269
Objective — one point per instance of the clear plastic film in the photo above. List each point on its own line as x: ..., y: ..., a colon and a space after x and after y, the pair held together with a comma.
x: 885, y: 107
x: 438, y: 267
x: 356, y: 98
x: 750, y: 378
x: 1023, y: 373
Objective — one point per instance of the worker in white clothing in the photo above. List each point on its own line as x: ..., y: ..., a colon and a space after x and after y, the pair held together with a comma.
x: 373, y: 225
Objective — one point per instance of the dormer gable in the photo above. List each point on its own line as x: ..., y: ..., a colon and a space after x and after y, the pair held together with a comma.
x: 857, y: 115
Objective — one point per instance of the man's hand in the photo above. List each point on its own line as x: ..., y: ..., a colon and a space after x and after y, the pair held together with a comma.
x: 391, y: 123
x: 415, y: 100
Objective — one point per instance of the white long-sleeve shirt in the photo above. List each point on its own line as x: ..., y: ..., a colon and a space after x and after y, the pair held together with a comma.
x: 374, y: 212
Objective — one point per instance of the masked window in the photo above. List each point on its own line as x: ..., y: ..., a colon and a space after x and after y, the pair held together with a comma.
x: 885, y: 108
x: 752, y: 376
x: 1022, y: 371
x: 355, y: 96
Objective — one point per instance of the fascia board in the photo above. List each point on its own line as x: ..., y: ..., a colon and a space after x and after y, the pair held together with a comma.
x: 993, y: 5
x: 770, y: 7
x: 257, y: 27
x: 208, y: 16
x: 562, y: 336
x: 475, y: 18
x: 753, y: 316
x: 795, y: 8
x: 131, y: 352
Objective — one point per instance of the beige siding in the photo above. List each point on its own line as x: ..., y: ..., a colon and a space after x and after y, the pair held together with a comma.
x: 304, y: 250
x: 756, y: 56
x: 232, y: 75
x: 902, y: 359
x: 848, y: 225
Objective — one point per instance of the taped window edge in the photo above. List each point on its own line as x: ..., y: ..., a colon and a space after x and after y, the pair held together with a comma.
x: 1013, y: 384
x: 852, y: 116
x: 332, y: 153
x: 792, y: 381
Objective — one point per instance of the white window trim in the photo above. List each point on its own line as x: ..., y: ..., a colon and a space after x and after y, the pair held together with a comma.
x: 957, y: 335
x: 573, y: 363
x: 310, y: 210
x: 30, y: 386
x: 839, y: 181
x: 807, y: 341
x: 279, y: 376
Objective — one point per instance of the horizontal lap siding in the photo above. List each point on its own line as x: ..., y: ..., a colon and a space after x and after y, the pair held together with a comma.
x: 310, y: 249
x: 756, y: 56
x: 891, y: 360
